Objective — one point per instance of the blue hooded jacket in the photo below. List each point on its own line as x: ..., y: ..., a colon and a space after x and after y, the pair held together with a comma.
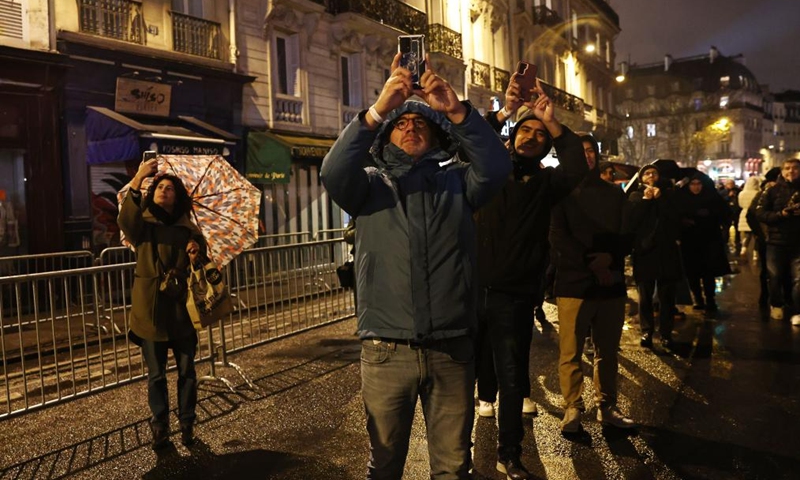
x: 415, y: 241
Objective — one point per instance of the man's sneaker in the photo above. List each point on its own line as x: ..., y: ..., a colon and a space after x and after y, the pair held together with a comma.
x: 571, y: 423
x: 485, y: 409
x: 795, y: 322
x: 160, y: 436
x: 611, y: 416
x: 776, y: 313
x: 513, y: 469
x: 528, y: 406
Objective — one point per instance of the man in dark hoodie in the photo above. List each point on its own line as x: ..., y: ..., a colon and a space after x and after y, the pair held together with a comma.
x: 414, y: 258
x: 656, y: 253
x: 512, y: 258
x: 586, y: 236
x: 779, y: 208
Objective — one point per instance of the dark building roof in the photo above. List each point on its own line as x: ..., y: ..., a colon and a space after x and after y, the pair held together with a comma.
x: 787, y: 96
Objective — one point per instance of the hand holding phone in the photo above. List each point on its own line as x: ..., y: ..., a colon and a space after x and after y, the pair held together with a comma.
x: 412, y: 48
x: 525, y: 79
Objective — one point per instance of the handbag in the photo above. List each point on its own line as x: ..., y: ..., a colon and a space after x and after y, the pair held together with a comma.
x: 346, y: 274
x: 208, y: 300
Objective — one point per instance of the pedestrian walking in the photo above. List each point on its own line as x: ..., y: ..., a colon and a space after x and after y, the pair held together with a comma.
x: 779, y: 208
x: 751, y: 188
x: 166, y: 241
x: 512, y: 258
x: 656, y: 253
x: 704, y: 215
x: 587, y: 239
x: 415, y: 256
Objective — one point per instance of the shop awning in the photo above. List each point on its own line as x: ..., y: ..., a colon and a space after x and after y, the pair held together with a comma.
x: 113, y: 137
x: 269, y: 155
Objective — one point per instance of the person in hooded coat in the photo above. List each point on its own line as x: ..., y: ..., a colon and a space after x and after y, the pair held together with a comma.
x: 704, y: 214
x: 589, y: 244
x: 415, y: 262
x: 759, y: 231
x: 159, y: 227
x: 751, y: 188
x: 656, y: 253
x: 512, y: 258
x: 779, y: 208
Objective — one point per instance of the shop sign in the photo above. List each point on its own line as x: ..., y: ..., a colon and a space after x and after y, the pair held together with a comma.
x: 172, y: 147
x: 144, y: 98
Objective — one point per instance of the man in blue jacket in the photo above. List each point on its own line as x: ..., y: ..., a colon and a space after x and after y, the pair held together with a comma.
x: 415, y: 260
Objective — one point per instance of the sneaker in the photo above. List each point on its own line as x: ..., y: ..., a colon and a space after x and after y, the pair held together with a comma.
x: 776, y: 313
x: 513, y: 468
x: 528, y: 406
x: 796, y: 320
x: 160, y: 436
x: 485, y: 409
x: 611, y: 416
x: 187, y: 435
x: 571, y: 423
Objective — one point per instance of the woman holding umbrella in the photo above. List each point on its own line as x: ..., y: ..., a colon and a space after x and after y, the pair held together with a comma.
x: 166, y: 241
x: 703, y: 215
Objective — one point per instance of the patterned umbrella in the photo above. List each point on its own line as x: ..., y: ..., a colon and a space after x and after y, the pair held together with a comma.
x: 225, y: 205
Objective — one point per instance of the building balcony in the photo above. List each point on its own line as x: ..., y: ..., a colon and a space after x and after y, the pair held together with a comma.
x: 195, y: 36
x: 562, y: 99
x: 501, y: 79
x: 546, y: 17
x: 444, y: 40
x: 288, y: 109
x: 388, y: 12
x: 480, y: 74
x: 117, y: 19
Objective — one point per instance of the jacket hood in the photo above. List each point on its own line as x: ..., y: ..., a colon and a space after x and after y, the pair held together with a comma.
x: 387, y: 155
x: 752, y: 183
x: 513, y: 135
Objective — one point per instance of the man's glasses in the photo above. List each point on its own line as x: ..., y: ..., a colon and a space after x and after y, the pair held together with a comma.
x: 403, y: 123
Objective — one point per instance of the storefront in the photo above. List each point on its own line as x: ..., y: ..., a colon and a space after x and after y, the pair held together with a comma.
x: 286, y: 168
x: 117, y: 104
x: 31, y: 220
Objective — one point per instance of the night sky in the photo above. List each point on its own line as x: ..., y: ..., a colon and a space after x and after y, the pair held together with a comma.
x: 767, y: 32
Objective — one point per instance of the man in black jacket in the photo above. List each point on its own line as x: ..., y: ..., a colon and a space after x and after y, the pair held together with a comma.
x: 512, y: 256
x: 586, y: 235
x: 779, y: 208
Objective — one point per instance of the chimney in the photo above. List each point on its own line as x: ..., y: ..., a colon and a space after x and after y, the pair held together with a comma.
x: 667, y: 62
x: 713, y: 53
x: 623, y: 68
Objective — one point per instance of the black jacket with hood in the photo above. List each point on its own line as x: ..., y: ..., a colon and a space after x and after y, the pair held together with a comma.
x: 512, y: 229
x: 590, y: 220
x: 415, y: 241
x: 780, y: 230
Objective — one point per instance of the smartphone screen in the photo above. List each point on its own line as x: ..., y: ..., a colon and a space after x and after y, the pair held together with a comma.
x: 149, y: 154
x: 413, y: 49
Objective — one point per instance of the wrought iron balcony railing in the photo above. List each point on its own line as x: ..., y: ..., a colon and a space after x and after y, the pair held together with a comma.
x: 544, y: 16
x: 501, y: 79
x: 195, y: 36
x: 390, y: 12
x: 118, y: 19
x: 562, y: 99
x: 442, y: 39
x: 480, y: 74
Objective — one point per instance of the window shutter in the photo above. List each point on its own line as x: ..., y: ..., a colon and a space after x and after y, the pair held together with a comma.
x: 293, y: 65
x: 11, y: 20
x: 356, y: 89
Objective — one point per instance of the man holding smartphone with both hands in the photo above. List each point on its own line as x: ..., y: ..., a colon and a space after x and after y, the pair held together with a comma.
x: 414, y: 258
x: 513, y: 255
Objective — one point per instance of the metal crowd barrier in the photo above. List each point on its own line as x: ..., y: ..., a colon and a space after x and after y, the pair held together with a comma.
x: 68, y: 337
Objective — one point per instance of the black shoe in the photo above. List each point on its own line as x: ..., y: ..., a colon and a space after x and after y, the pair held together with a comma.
x: 699, y: 306
x: 513, y: 469
x: 187, y: 435
x: 540, y: 315
x: 668, y: 343
x: 647, y: 340
x: 160, y: 435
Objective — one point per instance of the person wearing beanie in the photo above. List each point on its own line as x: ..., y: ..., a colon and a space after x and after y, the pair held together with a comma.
x: 779, y: 208
x: 512, y: 258
x: 414, y: 262
x: 656, y: 253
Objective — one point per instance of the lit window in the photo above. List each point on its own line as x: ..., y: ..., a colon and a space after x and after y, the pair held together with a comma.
x: 723, y: 101
x: 651, y: 129
x: 630, y: 132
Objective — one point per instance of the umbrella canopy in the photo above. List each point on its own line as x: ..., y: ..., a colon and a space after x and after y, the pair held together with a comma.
x: 224, y: 204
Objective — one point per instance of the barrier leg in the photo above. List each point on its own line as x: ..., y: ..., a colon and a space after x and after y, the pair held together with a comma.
x: 220, y: 358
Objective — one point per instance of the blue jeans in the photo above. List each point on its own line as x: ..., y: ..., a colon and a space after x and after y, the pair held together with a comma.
x: 507, y: 324
x: 442, y: 375
x: 155, y: 356
x: 783, y: 263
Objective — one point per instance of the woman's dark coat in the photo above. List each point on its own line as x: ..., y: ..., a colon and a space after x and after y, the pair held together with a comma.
x: 703, y: 217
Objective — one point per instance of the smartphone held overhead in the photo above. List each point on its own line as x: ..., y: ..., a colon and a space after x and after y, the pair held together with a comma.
x: 526, y: 78
x: 413, y: 49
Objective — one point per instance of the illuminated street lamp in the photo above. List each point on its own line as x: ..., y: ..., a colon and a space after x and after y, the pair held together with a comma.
x: 589, y: 48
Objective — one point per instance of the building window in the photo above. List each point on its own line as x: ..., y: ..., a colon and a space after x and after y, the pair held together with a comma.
x: 651, y: 153
x: 351, y: 80
x: 723, y: 101
x: 188, y: 7
x: 629, y: 131
x: 287, y: 63
x: 651, y: 129
x: 628, y: 93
